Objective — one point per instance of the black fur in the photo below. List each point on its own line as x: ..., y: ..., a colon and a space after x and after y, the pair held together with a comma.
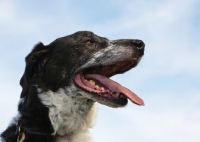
x: 51, y: 67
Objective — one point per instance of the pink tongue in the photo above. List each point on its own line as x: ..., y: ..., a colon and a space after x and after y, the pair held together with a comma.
x: 116, y: 87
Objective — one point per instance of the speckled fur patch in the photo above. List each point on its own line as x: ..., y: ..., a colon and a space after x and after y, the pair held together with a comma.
x: 69, y: 112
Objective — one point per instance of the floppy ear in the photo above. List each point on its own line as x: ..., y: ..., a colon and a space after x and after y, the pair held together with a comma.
x: 34, y: 64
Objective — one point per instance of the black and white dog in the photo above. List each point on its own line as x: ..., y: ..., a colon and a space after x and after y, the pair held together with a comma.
x: 63, y: 80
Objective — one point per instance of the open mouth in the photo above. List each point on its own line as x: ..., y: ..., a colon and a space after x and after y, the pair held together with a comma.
x: 97, y: 81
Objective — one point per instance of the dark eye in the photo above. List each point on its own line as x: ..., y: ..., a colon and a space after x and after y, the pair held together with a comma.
x: 89, y: 41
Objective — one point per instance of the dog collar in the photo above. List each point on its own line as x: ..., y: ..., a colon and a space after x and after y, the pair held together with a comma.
x: 22, y: 132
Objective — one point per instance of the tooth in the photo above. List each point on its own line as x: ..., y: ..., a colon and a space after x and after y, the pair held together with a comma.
x: 97, y: 86
x: 102, y: 89
x: 117, y: 94
x: 92, y: 82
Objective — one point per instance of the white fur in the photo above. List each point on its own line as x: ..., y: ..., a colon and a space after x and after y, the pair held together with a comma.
x: 21, y: 101
x: 15, y: 120
x: 67, y: 117
x: 97, y: 55
x: 69, y: 111
x: 115, y: 54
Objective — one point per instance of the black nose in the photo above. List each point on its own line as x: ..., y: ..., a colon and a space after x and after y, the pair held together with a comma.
x: 138, y: 43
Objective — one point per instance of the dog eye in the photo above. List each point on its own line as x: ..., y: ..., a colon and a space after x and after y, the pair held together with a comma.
x: 89, y: 41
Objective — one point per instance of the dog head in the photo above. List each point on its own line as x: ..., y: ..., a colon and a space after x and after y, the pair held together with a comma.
x: 85, y: 62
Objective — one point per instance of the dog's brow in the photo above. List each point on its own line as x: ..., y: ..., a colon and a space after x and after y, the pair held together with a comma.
x: 102, y: 38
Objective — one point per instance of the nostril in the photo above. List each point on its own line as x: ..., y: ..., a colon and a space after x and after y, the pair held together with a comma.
x: 138, y: 43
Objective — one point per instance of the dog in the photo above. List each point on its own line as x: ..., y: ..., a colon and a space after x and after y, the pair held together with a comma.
x: 62, y: 83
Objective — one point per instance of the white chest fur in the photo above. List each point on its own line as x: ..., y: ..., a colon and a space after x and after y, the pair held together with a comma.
x: 69, y: 114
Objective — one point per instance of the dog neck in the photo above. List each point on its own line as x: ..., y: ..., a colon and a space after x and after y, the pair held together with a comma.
x: 63, y: 139
x: 69, y: 113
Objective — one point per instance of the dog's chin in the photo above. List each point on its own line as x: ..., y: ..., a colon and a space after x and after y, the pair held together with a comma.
x: 97, y: 85
x: 111, y: 102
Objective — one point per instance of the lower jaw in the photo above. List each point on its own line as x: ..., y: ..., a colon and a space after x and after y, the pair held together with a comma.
x: 100, y: 96
x: 111, y: 102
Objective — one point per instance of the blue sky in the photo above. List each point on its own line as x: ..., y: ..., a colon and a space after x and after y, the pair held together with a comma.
x: 168, y: 77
